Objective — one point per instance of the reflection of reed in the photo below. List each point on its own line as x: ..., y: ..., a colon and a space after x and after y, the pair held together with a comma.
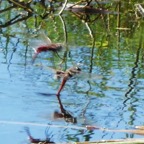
x: 11, y: 56
x: 133, y: 79
x: 132, y: 85
x: 64, y: 29
x: 65, y: 38
x: 118, y: 24
x: 93, y: 46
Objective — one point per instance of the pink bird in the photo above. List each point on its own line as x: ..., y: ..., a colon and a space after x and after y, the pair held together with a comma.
x: 66, y: 75
x: 43, y: 44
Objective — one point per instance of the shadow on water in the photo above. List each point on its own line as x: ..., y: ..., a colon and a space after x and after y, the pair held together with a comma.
x: 106, y: 37
x: 63, y: 114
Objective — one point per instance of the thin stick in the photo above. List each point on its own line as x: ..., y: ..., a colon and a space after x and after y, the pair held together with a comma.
x: 63, y: 7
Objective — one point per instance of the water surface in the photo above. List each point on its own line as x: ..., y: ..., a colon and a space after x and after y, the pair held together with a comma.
x: 112, y: 98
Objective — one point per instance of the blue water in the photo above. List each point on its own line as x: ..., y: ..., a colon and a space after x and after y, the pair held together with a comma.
x: 113, y: 99
x: 108, y: 93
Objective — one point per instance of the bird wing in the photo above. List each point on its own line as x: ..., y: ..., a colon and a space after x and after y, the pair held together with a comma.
x: 39, y: 40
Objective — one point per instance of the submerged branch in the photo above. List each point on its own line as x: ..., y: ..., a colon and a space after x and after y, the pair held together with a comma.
x: 14, y: 20
x: 6, y: 9
x: 22, y: 5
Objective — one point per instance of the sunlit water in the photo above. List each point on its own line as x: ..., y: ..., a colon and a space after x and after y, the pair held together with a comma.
x: 111, y: 98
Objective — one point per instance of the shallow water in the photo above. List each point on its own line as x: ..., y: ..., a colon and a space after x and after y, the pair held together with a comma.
x: 28, y: 95
x: 112, y: 98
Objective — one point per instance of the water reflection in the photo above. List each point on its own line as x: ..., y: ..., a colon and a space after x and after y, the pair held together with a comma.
x: 63, y: 114
x: 35, y: 141
x: 109, y: 45
x: 67, y: 116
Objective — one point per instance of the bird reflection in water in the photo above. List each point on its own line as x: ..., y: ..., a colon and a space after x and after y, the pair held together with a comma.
x: 38, y: 141
x: 64, y: 114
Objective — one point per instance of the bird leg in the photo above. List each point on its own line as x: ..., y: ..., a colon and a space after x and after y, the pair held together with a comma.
x: 62, y: 84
